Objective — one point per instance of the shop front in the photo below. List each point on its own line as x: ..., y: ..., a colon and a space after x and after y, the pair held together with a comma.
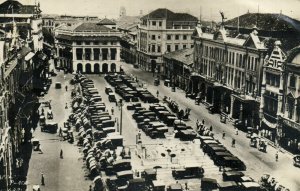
x: 289, y: 135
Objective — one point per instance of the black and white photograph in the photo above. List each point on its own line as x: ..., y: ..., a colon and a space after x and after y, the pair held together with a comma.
x: 149, y: 95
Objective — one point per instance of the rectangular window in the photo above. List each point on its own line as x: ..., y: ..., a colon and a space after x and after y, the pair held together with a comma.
x: 96, y: 53
x: 78, y: 42
x: 96, y: 43
x: 184, y: 37
x: 169, y: 37
x: 169, y: 48
x: 192, y: 46
x: 87, y: 54
x: 160, y: 23
x: 177, y: 37
x: 184, y: 46
x: 153, y: 23
x: 153, y: 48
x: 153, y: 37
x: 113, y: 53
x: 87, y: 43
x: 79, y: 53
x: 176, y: 46
x: 158, y: 48
x: 104, y: 54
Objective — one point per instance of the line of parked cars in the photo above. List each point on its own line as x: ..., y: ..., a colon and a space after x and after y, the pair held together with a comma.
x: 129, y: 90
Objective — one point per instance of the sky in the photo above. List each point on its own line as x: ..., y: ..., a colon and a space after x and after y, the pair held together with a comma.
x: 209, y: 8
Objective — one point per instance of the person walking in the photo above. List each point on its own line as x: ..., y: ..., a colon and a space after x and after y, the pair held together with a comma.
x: 91, y: 188
x: 211, y: 128
x: 236, y: 131
x: 42, y: 179
x: 60, y: 132
x: 61, y: 154
x: 157, y: 93
x: 66, y: 88
x: 186, y: 186
x: 66, y: 107
x: 223, y: 136
x: 112, y: 110
x: 276, y: 156
x: 233, y: 143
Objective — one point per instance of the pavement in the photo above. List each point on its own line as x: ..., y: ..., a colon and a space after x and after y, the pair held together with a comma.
x: 258, y: 163
x: 60, y: 174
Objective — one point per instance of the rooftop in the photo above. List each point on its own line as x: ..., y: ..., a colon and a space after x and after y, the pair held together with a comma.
x: 265, y: 21
x: 18, y: 8
x: 87, y: 26
x: 169, y: 15
x: 184, y: 55
x: 106, y: 21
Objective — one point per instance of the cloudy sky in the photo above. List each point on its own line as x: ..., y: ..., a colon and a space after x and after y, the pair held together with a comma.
x: 209, y: 8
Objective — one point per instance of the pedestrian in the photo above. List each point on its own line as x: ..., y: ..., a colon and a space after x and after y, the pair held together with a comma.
x: 91, y: 188
x: 157, y: 93
x: 64, y: 77
x: 233, y: 143
x: 211, y: 128
x: 223, y: 136
x: 203, y: 122
x: 60, y: 132
x: 42, y: 111
x: 61, y: 154
x: 66, y: 88
x: 112, y: 110
x: 186, y: 186
x: 197, y: 124
x: 66, y: 107
x: 220, y: 168
x: 42, y: 179
x: 39, y: 149
x: 276, y: 156
x: 236, y: 131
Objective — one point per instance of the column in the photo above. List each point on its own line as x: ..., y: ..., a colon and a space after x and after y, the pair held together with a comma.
x: 92, y: 54
x: 100, y: 54
x: 222, y: 102
x: 295, y: 110
x: 231, y: 106
x: 83, y: 53
x: 241, y: 112
x: 108, y: 54
x: 118, y: 55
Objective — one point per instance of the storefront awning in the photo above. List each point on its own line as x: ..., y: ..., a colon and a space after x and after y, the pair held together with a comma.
x: 29, y: 56
x: 269, y: 124
x: 291, y: 124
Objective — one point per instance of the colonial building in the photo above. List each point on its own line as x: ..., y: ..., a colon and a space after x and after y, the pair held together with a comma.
x: 289, y: 120
x: 272, y: 92
x: 178, y: 66
x: 227, y: 73
x: 163, y: 31
x: 88, y: 47
x: 20, y: 41
x: 129, y: 42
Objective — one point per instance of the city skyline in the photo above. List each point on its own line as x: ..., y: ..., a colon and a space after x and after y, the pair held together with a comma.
x: 208, y: 10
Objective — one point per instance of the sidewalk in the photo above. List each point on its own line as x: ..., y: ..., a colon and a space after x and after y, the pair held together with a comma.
x: 60, y: 174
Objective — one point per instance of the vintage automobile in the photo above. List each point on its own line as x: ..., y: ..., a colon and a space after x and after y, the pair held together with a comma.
x: 121, y: 165
x: 149, y: 174
x: 158, y: 185
x: 228, y: 186
x: 175, y: 187
x: 296, y: 160
x: 234, y: 163
x: 208, y: 184
x: 189, y: 171
x: 112, y: 97
x: 136, y: 184
x: 57, y: 85
x: 50, y: 127
x: 232, y: 175
x: 250, y: 186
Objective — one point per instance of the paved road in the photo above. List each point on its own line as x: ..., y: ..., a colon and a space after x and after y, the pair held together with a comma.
x: 60, y: 174
x: 257, y: 162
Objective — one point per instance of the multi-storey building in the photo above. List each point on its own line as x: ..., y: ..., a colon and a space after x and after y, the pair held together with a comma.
x: 178, y: 66
x: 272, y: 92
x: 227, y: 73
x: 20, y: 44
x: 163, y: 31
x: 88, y: 47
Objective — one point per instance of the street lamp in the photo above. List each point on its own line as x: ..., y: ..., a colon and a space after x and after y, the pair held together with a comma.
x: 120, y: 104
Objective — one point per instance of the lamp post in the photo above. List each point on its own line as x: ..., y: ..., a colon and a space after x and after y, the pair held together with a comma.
x: 121, y: 116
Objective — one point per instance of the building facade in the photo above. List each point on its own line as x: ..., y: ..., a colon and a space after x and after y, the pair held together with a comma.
x: 163, y: 31
x: 227, y: 74
x: 88, y: 47
x: 20, y: 41
x: 178, y: 66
